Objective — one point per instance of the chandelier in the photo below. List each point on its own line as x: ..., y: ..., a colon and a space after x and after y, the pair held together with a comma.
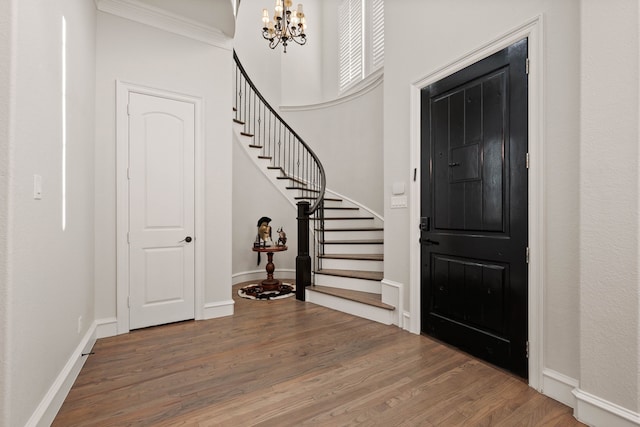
x: 287, y: 25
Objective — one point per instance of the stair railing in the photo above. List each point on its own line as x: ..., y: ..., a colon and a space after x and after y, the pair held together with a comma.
x: 295, y: 160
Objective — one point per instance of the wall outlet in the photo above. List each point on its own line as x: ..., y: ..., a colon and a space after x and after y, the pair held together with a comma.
x: 79, y: 324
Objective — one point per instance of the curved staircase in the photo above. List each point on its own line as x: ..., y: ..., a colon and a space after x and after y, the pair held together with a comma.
x: 348, y: 251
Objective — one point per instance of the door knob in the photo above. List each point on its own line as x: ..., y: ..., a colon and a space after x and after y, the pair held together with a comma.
x: 431, y: 242
x: 186, y: 239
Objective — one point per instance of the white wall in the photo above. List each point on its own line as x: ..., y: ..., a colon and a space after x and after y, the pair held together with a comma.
x: 301, y: 76
x: 210, y: 13
x: 609, y: 196
x: 347, y: 138
x: 262, y: 64
x: 254, y: 196
x: 50, y: 279
x: 438, y: 32
x: 147, y: 56
x: 6, y: 26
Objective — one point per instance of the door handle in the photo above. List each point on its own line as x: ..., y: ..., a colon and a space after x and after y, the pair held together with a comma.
x: 187, y: 239
x: 430, y: 242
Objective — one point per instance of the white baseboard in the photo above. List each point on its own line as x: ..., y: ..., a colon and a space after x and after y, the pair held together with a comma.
x: 559, y: 387
x: 595, y: 411
x: 213, y: 310
x: 107, y: 327
x: 392, y: 294
x: 248, y: 276
x: 406, y: 321
x: 51, y: 403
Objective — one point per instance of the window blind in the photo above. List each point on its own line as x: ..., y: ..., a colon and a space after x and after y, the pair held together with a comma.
x: 377, y: 33
x: 350, y: 29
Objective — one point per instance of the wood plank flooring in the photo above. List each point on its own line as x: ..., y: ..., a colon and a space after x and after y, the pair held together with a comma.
x: 291, y: 363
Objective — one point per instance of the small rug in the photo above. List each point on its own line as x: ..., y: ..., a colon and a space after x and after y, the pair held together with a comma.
x: 256, y: 292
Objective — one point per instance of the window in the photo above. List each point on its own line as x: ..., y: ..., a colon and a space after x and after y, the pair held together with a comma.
x: 361, y: 39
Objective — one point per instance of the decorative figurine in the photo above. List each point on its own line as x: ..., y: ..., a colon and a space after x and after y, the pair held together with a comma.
x: 263, y: 239
x: 282, y: 237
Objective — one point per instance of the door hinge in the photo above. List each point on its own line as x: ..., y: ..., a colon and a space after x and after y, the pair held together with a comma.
x: 128, y: 241
x: 527, y: 255
x: 129, y: 304
x: 527, y: 349
x: 527, y: 160
x: 129, y: 173
x: 129, y: 105
x: 526, y: 65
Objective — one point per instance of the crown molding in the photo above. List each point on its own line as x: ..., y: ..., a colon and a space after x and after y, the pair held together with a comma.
x: 165, y: 20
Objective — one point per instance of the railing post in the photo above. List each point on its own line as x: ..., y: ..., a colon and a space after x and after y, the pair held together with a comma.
x: 303, y: 260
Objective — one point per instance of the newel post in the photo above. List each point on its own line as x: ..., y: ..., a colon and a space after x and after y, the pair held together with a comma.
x: 303, y: 260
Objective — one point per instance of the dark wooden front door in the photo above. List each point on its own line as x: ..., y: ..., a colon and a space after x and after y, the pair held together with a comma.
x: 474, y: 209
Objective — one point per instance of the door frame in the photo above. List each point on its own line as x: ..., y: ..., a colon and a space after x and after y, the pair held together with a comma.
x: 531, y: 29
x: 123, y: 89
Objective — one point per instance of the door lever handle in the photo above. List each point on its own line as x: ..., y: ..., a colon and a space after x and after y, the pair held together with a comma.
x: 431, y: 242
x: 187, y: 239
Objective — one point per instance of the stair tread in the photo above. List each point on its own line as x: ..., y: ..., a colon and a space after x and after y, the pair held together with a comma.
x: 352, y: 229
x: 340, y: 208
x: 361, y: 257
x: 255, y: 146
x: 353, y: 274
x: 296, y: 180
x: 326, y: 199
x: 265, y: 157
x: 332, y: 218
x: 303, y: 188
x: 240, y: 122
x: 353, y: 242
x: 246, y: 134
x: 358, y: 296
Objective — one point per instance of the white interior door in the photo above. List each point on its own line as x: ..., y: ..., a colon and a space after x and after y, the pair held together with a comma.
x: 161, y: 210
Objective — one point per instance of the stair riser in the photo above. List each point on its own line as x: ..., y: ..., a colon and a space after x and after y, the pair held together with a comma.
x: 353, y: 235
x: 353, y: 249
x: 352, y: 264
x: 372, y: 286
x: 331, y: 213
x: 351, y: 307
x: 349, y: 223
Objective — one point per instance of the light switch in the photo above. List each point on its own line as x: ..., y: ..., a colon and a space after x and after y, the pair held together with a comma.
x: 398, y: 188
x: 398, y: 202
x: 37, y: 187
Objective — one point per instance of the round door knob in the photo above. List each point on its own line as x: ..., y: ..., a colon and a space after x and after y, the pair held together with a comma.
x: 188, y: 239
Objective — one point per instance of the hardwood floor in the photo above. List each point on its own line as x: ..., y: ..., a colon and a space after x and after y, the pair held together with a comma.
x: 290, y: 363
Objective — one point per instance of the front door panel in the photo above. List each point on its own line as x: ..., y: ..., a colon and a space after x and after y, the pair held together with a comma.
x: 474, y: 209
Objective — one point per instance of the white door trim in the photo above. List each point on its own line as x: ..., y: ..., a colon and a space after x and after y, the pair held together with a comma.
x: 537, y: 221
x: 122, y: 197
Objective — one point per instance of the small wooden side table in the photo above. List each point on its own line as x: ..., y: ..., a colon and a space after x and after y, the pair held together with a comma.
x: 270, y: 284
